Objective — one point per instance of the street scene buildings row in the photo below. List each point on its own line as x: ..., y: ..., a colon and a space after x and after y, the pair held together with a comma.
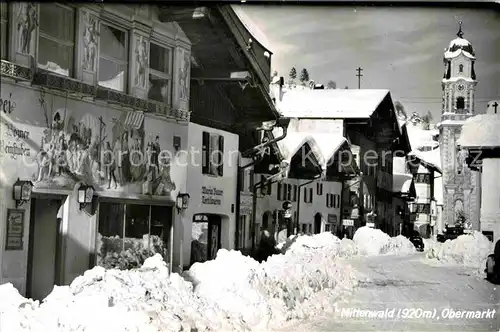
x: 172, y: 117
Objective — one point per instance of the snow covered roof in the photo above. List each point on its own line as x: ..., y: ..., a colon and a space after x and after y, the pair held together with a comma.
x: 481, y: 131
x: 323, y: 143
x: 401, y: 183
x: 330, y: 103
x: 420, y: 138
x: 429, y: 158
x: 459, y: 46
x: 252, y: 28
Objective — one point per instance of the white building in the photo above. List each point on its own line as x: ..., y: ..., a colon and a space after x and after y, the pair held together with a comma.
x: 208, y: 223
x: 481, y: 137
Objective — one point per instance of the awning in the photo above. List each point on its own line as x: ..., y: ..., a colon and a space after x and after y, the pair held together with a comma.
x: 133, y: 120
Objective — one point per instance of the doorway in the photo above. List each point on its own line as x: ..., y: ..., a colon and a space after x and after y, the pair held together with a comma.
x: 317, y: 223
x: 45, y: 253
x: 205, y: 237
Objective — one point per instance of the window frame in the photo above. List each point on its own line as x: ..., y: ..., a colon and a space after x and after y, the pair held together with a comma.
x: 117, y: 26
x: 74, y: 44
x: 5, y: 43
x: 160, y: 74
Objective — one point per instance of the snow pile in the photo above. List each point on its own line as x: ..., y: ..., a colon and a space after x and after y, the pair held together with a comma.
x: 398, y: 245
x: 325, y: 241
x: 370, y: 241
x: 284, y: 287
x: 469, y: 250
x: 145, y: 299
x: 430, y: 244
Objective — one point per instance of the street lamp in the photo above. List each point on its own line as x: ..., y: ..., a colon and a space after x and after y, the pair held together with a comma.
x: 21, y: 192
x: 182, y: 202
x: 85, y: 195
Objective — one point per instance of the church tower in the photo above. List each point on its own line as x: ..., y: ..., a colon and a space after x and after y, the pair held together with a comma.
x: 461, y: 189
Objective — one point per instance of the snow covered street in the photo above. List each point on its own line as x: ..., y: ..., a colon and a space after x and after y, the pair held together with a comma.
x: 407, y: 282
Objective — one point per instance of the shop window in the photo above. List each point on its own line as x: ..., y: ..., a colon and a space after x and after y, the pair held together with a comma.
x: 56, y: 39
x: 160, y: 73
x: 113, y: 58
x: 212, y: 154
x: 130, y: 233
x: 4, y: 30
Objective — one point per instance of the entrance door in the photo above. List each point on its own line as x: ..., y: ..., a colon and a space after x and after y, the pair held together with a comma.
x: 317, y: 223
x: 45, y: 247
x: 214, y: 233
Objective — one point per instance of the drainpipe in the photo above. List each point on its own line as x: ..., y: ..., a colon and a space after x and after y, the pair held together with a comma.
x: 299, y: 202
x: 256, y: 186
x: 284, y: 126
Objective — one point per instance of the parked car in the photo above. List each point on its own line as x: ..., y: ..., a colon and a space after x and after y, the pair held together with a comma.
x: 450, y: 233
x: 417, y: 241
x: 493, y: 265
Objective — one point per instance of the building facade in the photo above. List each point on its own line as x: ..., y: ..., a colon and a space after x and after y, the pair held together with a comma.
x: 98, y: 97
x: 460, y: 184
x: 481, y: 140
x: 209, y: 223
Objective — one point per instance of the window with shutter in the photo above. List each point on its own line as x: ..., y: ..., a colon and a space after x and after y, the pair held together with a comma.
x: 220, y: 156
x: 327, y: 196
x: 278, y: 196
x: 289, y: 193
x: 270, y: 188
x: 310, y: 195
x: 295, y: 188
x: 205, y: 163
x: 305, y: 195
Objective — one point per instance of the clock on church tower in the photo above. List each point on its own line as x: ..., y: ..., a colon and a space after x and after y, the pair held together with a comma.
x: 460, y: 186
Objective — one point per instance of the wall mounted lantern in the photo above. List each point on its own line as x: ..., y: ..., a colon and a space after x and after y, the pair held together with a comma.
x: 85, y: 195
x: 182, y: 201
x: 21, y: 192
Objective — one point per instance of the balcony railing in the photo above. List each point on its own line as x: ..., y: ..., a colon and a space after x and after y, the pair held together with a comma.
x: 80, y: 89
x: 16, y: 71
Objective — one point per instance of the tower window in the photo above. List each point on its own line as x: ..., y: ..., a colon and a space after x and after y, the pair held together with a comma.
x: 461, y: 68
x: 460, y: 103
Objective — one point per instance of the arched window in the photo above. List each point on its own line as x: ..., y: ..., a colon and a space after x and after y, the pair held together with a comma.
x: 461, y: 68
x: 460, y: 103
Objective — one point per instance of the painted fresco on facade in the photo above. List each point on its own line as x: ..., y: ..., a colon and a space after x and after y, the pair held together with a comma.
x: 185, y: 65
x: 102, y: 147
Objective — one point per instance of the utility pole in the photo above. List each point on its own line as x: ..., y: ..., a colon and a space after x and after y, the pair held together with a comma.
x: 359, y: 70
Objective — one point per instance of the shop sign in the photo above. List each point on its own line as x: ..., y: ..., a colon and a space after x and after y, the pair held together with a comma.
x: 14, y: 145
x: 245, y: 203
x: 348, y: 222
x: 7, y: 104
x: 211, y: 196
x: 15, y: 229
x: 332, y: 218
